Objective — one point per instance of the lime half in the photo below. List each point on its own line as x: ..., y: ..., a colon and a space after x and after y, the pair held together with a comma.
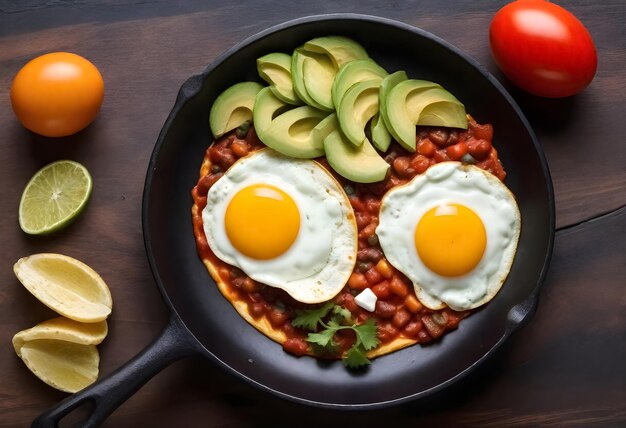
x: 55, y: 195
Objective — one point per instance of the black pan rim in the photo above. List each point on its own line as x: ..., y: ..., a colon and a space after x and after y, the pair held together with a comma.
x: 192, y: 86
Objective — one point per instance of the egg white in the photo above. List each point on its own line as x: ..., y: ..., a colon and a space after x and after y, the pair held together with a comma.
x: 319, y: 262
x: 450, y: 183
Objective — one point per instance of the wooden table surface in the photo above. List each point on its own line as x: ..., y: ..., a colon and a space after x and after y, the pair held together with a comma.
x: 567, y: 367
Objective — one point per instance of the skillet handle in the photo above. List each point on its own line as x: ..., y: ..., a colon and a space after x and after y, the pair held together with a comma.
x: 106, y: 395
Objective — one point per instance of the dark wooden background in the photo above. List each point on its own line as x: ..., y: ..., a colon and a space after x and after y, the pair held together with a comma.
x: 566, y: 368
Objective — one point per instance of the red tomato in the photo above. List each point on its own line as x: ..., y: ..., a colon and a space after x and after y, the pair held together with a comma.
x: 57, y: 94
x: 542, y: 48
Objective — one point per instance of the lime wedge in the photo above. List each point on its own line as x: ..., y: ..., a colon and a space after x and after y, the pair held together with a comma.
x: 55, y: 195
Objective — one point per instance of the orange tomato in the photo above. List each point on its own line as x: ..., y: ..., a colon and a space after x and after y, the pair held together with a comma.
x: 57, y: 94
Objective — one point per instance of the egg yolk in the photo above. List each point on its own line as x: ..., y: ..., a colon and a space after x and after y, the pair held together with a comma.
x: 450, y: 239
x: 262, y: 221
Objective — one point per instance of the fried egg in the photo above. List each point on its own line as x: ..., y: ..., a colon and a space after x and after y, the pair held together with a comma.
x: 284, y: 222
x: 453, y: 231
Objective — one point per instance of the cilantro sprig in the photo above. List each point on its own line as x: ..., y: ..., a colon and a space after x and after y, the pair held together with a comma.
x: 338, y: 318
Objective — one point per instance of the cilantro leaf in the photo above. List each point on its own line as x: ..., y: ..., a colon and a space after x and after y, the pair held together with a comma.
x: 324, y: 338
x: 355, y: 358
x: 310, y: 318
x: 323, y: 332
x: 343, y: 313
x: 367, y: 334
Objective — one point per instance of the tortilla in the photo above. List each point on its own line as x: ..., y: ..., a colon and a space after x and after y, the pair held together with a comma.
x: 262, y: 323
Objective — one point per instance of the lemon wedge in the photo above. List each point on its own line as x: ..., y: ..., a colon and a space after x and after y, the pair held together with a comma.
x: 62, y: 352
x: 63, y: 329
x: 67, y: 366
x: 65, y: 285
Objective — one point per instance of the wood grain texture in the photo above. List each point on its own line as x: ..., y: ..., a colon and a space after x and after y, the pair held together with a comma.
x: 566, y: 368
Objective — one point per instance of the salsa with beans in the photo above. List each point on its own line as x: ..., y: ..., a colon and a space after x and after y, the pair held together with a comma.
x: 398, y: 312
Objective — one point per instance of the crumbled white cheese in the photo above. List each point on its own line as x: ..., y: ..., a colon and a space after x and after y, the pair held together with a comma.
x: 366, y: 299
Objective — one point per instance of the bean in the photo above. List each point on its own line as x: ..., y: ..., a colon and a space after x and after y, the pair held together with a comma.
x: 240, y: 148
x: 420, y: 163
x: 441, y: 156
x: 349, y: 303
x: 456, y: 151
x: 277, y: 317
x: 439, y: 136
x: 373, y: 276
x: 205, y: 183
x: 222, y: 157
x: 381, y: 290
x: 453, y: 138
x: 369, y: 255
x: 256, y: 309
x: 400, y: 165
x: 296, y: 346
x: 413, y: 328
x: 401, y: 318
x: 250, y: 285
x: 479, y: 149
x: 387, y: 332
x: 426, y: 147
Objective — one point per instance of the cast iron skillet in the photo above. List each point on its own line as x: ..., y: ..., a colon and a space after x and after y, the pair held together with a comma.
x: 203, y: 322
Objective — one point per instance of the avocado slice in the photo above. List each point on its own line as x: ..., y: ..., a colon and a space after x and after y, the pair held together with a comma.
x: 447, y: 112
x: 266, y: 107
x: 340, y: 49
x: 358, y: 106
x: 233, y: 107
x: 386, y: 86
x: 420, y: 102
x: 353, y: 72
x: 297, y: 76
x: 381, y: 138
x: 325, y: 127
x: 360, y: 164
x: 319, y: 74
x: 275, y: 69
x: 291, y: 133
